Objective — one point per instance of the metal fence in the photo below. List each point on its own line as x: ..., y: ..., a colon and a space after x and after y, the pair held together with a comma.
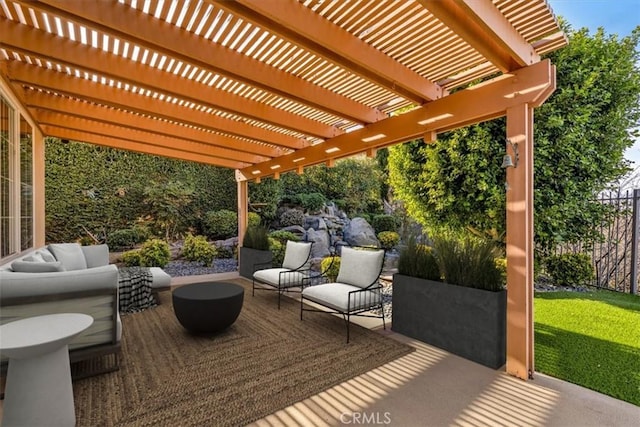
x: 615, y: 258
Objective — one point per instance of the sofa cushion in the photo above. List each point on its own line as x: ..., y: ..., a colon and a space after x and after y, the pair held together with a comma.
x: 96, y: 255
x: 70, y: 255
x: 35, y: 257
x: 46, y: 255
x: 36, y: 267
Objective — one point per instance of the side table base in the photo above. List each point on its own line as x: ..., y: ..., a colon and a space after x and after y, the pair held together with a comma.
x: 38, y: 391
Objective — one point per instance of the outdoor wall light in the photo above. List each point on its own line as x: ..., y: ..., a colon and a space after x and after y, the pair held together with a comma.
x: 507, y: 161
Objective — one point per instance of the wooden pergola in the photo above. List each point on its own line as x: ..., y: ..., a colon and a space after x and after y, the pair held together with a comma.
x: 271, y: 86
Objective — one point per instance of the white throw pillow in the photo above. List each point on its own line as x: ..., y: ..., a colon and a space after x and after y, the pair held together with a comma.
x: 70, y: 255
x: 46, y: 255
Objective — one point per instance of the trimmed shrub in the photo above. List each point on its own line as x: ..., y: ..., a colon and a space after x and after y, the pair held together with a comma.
x: 278, y: 244
x: 154, y: 253
x: 382, y: 223
x: 417, y: 260
x: 131, y: 258
x: 570, y: 269
x: 122, y: 239
x: 221, y: 224
x: 278, y: 249
x: 253, y: 219
x: 283, y: 236
x: 388, y: 239
x: 331, y: 266
x: 196, y: 248
x: 366, y: 216
x: 225, y: 251
x: 291, y: 217
x: 312, y: 202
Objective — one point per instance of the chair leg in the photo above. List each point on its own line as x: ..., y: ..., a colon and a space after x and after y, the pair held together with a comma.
x: 253, y: 288
x: 301, y: 304
x: 348, y: 322
x: 384, y: 324
x: 279, y: 296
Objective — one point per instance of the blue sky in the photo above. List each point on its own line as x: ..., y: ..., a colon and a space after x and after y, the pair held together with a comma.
x: 615, y: 16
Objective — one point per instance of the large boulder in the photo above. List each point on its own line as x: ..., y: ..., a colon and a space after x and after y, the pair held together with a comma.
x: 320, y: 239
x: 315, y: 222
x: 297, y: 230
x: 360, y: 233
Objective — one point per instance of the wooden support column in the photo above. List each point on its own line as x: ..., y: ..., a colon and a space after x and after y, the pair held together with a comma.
x: 38, y: 188
x: 519, y: 188
x: 243, y: 205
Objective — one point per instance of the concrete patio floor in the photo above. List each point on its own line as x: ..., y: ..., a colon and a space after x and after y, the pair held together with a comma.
x: 431, y: 387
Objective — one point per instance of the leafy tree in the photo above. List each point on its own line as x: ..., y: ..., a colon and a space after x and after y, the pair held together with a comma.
x: 580, y: 137
x: 166, y: 201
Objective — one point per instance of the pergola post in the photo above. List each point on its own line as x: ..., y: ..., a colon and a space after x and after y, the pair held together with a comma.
x: 519, y: 222
x: 243, y: 206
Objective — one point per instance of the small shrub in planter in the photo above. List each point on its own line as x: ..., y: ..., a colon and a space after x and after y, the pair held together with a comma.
x: 570, y: 269
x: 388, y: 239
x: 468, y: 261
x: 254, y: 250
x: 417, y: 260
x: 256, y: 238
x: 221, y: 224
x: 466, y: 315
x: 154, y: 253
x: 131, y: 258
x: 196, y: 248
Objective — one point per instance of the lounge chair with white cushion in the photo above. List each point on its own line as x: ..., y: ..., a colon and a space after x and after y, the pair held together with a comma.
x: 289, y: 277
x: 356, y: 290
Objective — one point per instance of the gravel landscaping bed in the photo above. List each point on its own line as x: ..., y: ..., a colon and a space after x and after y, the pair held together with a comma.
x: 189, y: 268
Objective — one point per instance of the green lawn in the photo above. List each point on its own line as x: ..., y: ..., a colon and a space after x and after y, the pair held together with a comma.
x: 591, y: 339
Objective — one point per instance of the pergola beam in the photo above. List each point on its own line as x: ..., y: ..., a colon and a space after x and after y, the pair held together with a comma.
x: 145, y: 30
x: 295, y: 22
x: 118, y: 98
x: 74, y: 107
x: 95, y: 61
x: 484, y: 102
x: 58, y: 120
x: 138, y: 147
x: 481, y: 25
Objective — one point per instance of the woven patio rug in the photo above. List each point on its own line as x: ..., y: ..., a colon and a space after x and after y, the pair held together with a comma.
x: 267, y: 360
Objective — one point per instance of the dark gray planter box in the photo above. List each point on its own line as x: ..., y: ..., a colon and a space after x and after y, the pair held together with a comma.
x: 249, y: 257
x: 465, y: 321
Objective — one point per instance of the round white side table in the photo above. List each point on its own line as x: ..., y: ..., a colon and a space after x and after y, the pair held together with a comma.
x: 38, y: 389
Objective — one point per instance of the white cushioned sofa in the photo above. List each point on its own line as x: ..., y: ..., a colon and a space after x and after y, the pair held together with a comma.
x: 67, y: 277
